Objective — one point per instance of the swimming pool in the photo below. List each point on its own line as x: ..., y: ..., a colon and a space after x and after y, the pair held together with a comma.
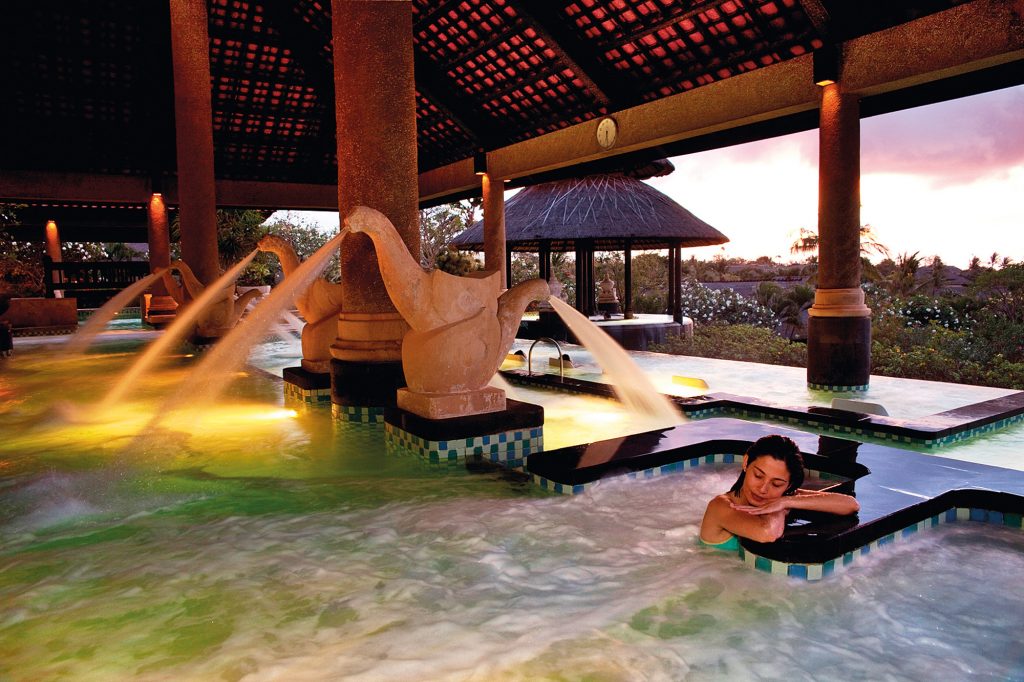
x: 279, y: 544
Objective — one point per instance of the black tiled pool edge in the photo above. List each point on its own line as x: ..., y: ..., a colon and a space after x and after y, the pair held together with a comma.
x: 900, y: 492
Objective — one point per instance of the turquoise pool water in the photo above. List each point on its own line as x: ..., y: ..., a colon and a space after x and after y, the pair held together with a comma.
x: 264, y: 543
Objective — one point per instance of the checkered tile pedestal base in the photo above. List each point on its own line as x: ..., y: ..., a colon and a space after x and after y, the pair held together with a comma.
x: 306, y: 387
x: 507, y: 437
x: 508, y: 448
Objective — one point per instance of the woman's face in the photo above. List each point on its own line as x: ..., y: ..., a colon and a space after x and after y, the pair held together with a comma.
x: 766, y: 480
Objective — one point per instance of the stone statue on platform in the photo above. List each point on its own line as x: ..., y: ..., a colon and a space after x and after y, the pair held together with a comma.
x: 607, y: 297
x: 460, y: 327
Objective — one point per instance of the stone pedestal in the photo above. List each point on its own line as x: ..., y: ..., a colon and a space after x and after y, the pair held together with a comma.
x: 158, y: 311
x: 447, y: 405
x: 506, y: 437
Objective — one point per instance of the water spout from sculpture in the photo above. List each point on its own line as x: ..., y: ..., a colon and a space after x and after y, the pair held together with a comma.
x: 183, y: 324
x: 210, y: 377
x: 631, y: 385
x: 98, y: 321
x: 319, y: 304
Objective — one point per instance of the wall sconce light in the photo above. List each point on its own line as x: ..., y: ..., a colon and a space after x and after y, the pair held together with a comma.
x: 826, y: 65
x: 156, y: 185
x: 480, y: 162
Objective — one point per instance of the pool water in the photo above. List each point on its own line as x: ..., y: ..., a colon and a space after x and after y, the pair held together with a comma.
x: 787, y: 386
x: 267, y: 543
x: 903, y: 398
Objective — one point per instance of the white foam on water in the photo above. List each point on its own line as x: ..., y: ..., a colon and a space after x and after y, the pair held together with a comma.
x: 607, y: 585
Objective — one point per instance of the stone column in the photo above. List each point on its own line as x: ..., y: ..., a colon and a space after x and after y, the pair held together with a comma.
x: 53, y: 253
x: 839, y: 328
x: 53, y: 241
x: 160, y: 307
x: 193, y: 121
x: 375, y: 113
x: 494, y: 224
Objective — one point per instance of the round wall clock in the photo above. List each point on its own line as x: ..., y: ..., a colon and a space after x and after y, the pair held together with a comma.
x: 607, y: 132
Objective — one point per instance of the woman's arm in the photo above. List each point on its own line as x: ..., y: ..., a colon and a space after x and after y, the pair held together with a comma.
x: 810, y: 500
x: 724, y: 519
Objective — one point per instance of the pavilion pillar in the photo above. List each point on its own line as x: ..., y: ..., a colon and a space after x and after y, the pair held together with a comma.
x: 677, y: 270
x: 580, y: 277
x: 159, y: 305
x: 53, y: 241
x: 375, y: 113
x: 544, y: 256
x: 494, y: 224
x: 627, y: 311
x: 673, y: 285
x: 193, y: 122
x: 839, y: 328
x: 588, y: 269
x: 508, y: 268
x: 53, y: 254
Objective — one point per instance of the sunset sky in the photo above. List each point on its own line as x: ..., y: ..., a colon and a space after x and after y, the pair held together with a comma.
x: 946, y: 180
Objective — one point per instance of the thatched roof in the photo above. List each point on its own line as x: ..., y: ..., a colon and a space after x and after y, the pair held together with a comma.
x: 606, y: 211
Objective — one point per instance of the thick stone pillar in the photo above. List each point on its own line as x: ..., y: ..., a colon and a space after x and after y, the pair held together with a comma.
x: 193, y: 122
x: 494, y: 224
x: 159, y: 307
x: 839, y: 328
x: 375, y: 112
x: 53, y: 241
x: 53, y: 253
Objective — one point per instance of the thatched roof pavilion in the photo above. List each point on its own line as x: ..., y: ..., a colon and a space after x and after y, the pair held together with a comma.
x: 612, y: 211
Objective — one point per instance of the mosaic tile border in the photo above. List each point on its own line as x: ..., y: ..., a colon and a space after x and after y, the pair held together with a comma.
x: 508, y: 448
x: 846, y: 429
x: 813, y: 572
x: 315, y: 396
x: 357, y: 413
x: 663, y: 470
x: 829, y: 387
x: 44, y: 331
x: 128, y: 312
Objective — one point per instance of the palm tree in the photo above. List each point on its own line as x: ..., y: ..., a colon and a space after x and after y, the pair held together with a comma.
x: 790, y: 308
x: 903, y: 280
x: 808, y: 241
x: 937, y: 280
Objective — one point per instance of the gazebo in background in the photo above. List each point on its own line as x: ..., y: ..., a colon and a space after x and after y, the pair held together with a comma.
x: 612, y: 211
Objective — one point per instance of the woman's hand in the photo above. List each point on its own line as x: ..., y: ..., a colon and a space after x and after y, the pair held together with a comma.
x: 779, y: 505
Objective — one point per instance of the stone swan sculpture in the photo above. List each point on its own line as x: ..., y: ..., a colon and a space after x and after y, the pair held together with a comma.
x: 319, y: 305
x: 461, y: 327
x: 221, y: 316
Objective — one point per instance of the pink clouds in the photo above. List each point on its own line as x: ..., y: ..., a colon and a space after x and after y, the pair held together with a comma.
x: 951, y: 143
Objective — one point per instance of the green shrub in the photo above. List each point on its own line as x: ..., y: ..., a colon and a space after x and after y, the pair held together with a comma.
x: 737, y: 342
x: 703, y: 305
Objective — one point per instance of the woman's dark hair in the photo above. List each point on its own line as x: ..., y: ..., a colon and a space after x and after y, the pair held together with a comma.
x: 780, y: 448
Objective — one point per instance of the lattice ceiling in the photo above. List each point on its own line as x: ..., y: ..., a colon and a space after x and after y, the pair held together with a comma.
x: 87, y: 85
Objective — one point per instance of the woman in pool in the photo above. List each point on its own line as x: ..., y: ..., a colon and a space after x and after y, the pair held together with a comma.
x: 769, y: 485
